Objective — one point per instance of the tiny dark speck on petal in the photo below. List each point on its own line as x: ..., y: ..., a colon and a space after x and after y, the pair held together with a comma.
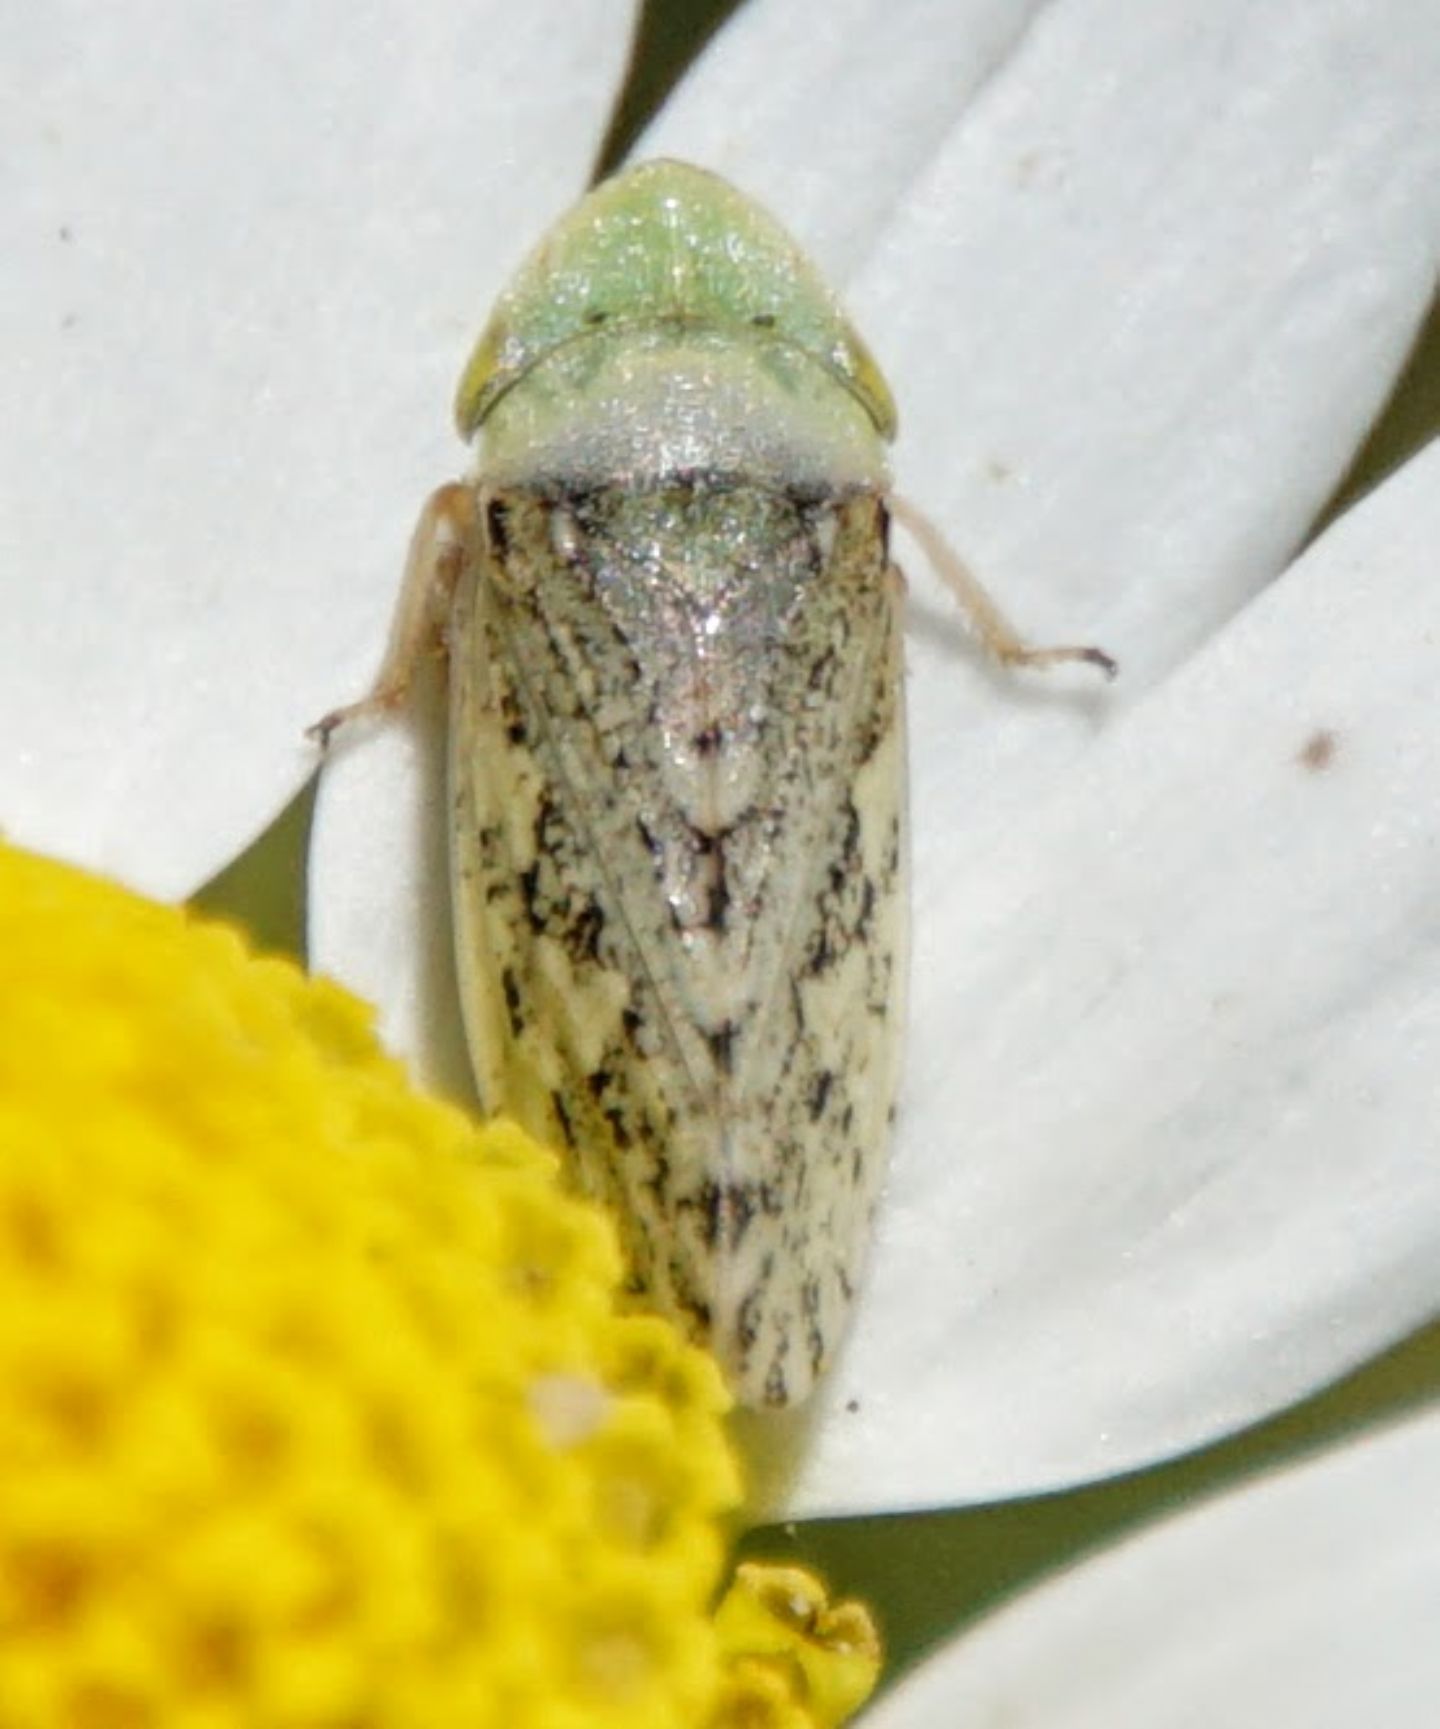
x: 1318, y: 751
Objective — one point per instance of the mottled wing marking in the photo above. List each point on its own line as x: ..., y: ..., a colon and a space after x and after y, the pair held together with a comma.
x: 678, y: 864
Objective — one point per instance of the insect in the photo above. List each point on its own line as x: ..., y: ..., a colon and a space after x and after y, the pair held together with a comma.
x: 677, y: 764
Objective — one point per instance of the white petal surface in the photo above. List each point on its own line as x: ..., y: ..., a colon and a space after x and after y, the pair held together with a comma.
x: 1305, y: 1601
x: 381, y: 815
x: 245, y: 252
x: 1181, y: 252
x: 1166, y: 1156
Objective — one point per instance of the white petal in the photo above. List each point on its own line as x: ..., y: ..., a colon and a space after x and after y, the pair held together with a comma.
x: 1304, y: 1601
x: 380, y: 889
x: 244, y: 256
x: 1166, y: 1157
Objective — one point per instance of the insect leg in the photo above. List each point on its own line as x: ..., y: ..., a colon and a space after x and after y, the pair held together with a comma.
x: 995, y: 631
x: 439, y: 549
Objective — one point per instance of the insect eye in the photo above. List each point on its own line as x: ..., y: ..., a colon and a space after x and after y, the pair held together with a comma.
x: 595, y: 315
x: 763, y: 321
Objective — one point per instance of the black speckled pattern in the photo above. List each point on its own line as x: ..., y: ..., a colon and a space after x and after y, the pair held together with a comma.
x: 678, y: 783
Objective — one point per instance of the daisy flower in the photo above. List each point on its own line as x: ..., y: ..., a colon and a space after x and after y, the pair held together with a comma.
x: 1141, y: 278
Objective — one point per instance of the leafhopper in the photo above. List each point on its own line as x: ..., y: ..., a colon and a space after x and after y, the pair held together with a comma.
x: 677, y: 760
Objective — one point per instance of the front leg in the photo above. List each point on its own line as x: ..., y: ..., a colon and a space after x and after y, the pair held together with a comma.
x: 440, y: 550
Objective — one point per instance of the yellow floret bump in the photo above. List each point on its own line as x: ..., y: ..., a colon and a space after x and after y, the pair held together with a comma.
x: 316, y: 1407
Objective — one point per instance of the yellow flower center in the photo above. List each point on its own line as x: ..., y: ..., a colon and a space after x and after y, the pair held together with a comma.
x: 316, y: 1407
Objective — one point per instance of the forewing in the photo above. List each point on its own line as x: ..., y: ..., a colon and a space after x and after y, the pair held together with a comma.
x: 677, y: 771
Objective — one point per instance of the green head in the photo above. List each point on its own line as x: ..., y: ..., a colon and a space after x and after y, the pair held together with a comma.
x: 660, y: 244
